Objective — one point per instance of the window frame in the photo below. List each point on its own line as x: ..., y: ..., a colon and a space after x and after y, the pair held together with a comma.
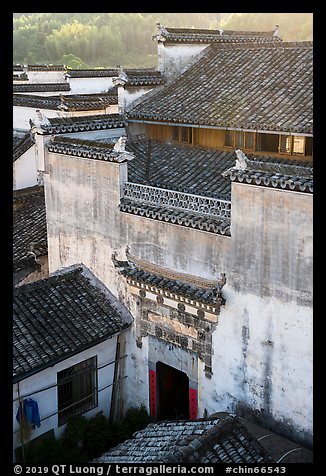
x: 292, y: 139
x: 177, y: 132
x: 235, y: 134
x: 71, y: 382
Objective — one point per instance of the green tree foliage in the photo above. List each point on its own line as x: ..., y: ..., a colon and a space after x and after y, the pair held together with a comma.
x: 109, y: 39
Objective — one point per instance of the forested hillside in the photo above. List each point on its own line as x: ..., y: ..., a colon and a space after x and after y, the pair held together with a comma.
x: 82, y: 40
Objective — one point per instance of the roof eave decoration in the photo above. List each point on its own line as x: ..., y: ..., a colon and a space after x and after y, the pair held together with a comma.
x: 276, y: 175
x: 84, y: 123
x: 168, y: 285
x: 122, y: 78
x: 90, y: 149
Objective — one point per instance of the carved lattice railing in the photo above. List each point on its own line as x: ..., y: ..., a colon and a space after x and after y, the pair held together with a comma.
x: 176, y: 200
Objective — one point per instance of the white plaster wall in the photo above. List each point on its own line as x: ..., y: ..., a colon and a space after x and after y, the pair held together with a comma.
x: 47, y: 400
x: 22, y: 115
x: 174, y: 59
x: 136, y: 386
x: 46, y: 76
x: 24, y: 170
x: 132, y: 95
x: 90, y: 85
x: 263, y: 342
x: 263, y: 358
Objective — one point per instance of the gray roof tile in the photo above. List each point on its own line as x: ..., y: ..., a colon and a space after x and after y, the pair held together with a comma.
x: 211, y: 294
x: 196, y: 170
x: 190, y: 441
x: 73, y: 102
x: 83, y: 123
x: 29, y: 224
x: 38, y: 87
x: 21, y: 144
x: 99, y: 150
x: 250, y: 86
x: 196, y: 35
x: 57, y: 317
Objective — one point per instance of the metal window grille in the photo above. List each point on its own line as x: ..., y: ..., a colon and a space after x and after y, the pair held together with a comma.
x: 77, y: 389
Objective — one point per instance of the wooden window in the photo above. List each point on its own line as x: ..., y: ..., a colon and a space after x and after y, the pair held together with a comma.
x: 185, y: 134
x: 229, y: 138
x: 175, y: 133
x: 285, y: 146
x: 182, y: 134
x: 268, y: 142
x: 293, y: 145
x: 77, y: 389
x: 239, y: 139
x: 298, y: 145
x: 250, y: 140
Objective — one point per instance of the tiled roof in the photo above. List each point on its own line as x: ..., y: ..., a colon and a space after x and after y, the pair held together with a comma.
x: 29, y: 224
x: 193, y: 35
x: 46, y: 67
x: 208, y: 295
x: 250, y: 86
x: 73, y: 102
x: 280, y: 448
x: 91, y: 73
x: 99, y: 150
x: 58, y: 317
x: 219, y: 440
x: 179, y: 217
x: 144, y: 77
x: 283, y: 176
x: 197, y: 170
x: 84, y: 123
x: 38, y: 87
x: 21, y: 145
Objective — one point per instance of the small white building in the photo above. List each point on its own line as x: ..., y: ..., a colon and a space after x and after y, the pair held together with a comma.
x: 60, y: 106
x: 65, y: 335
x: 45, y: 73
x: 83, y: 81
x: 24, y: 166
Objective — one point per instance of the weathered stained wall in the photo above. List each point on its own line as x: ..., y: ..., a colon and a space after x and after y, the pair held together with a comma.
x: 262, y: 344
x: 173, y: 59
x: 132, y: 94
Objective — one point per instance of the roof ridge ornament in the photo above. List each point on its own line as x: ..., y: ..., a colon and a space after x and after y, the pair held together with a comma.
x: 241, y: 162
x: 40, y: 120
x: 122, y: 77
x: 162, y: 33
x: 120, y: 145
x: 276, y: 29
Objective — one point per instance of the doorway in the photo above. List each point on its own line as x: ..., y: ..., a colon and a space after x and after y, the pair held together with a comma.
x: 172, y: 393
